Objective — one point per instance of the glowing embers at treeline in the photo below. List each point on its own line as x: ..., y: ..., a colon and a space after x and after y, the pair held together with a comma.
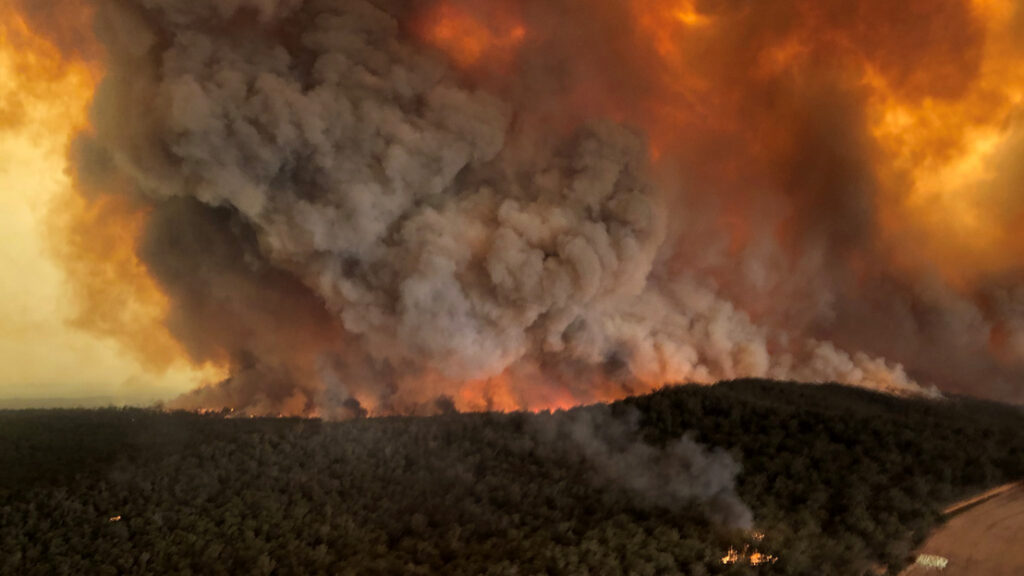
x: 749, y: 555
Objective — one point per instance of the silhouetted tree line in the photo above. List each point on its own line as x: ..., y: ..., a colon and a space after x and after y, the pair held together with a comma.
x: 841, y: 481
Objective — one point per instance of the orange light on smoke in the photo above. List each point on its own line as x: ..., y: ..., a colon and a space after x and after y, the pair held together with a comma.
x: 42, y: 96
x: 950, y: 161
x: 115, y: 294
x: 945, y: 147
x: 44, y: 100
x: 472, y: 36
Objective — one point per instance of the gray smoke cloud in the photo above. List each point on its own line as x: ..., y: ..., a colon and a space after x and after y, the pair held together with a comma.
x: 350, y: 224
x: 678, y: 474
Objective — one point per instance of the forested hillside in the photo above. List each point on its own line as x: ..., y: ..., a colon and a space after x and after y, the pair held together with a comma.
x: 838, y: 481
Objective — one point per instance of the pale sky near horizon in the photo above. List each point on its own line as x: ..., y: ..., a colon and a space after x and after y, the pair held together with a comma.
x: 41, y: 355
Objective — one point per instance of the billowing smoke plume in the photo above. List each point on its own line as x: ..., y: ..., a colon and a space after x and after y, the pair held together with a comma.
x: 681, y: 473
x: 368, y: 204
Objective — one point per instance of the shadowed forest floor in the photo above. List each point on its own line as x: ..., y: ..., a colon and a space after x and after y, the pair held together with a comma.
x: 839, y: 481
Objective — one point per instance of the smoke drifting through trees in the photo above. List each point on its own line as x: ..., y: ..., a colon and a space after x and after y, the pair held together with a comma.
x: 355, y: 211
x: 671, y: 477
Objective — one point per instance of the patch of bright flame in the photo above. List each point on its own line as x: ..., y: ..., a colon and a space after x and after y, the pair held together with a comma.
x: 522, y: 387
x: 506, y: 393
x: 749, y: 555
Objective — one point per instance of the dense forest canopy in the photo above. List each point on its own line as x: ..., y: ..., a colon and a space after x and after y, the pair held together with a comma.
x: 814, y: 479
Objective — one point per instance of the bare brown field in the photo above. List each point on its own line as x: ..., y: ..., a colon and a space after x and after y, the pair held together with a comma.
x: 986, y: 540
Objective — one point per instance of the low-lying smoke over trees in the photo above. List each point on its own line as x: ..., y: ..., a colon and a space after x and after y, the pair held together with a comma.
x: 831, y: 480
x: 668, y: 477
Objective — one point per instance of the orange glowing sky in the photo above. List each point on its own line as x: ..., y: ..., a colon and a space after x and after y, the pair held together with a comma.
x: 489, y: 38
x: 80, y: 320
x: 44, y: 349
x: 949, y: 162
x: 961, y: 156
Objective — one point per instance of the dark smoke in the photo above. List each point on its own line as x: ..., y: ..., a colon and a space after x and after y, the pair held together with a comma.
x: 352, y: 223
x: 345, y: 185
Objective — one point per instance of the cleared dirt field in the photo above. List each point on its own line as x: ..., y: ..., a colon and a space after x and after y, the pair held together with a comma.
x: 986, y: 540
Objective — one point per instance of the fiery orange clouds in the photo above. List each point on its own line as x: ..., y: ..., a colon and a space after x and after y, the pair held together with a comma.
x: 937, y: 88
x: 96, y: 285
x: 812, y: 156
x: 889, y: 137
x: 485, y: 35
x: 953, y: 164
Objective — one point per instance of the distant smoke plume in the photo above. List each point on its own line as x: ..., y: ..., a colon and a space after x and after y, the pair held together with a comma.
x: 367, y: 205
x: 682, y: 472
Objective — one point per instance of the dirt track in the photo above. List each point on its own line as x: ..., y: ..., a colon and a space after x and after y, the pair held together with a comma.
x: 986, y: 540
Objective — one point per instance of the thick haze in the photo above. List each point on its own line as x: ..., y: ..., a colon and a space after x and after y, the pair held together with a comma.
x: 367, y: 205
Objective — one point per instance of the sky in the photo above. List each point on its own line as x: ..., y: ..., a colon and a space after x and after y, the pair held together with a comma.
x: 357, y: 206
x: 42, y: 353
